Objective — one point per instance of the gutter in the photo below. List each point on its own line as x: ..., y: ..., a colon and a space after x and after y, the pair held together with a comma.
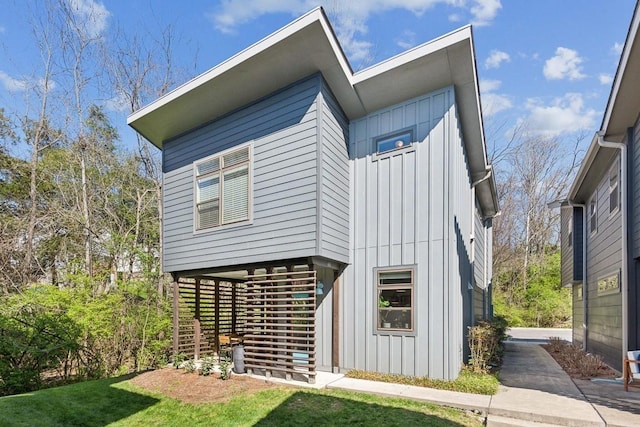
x: 625, y: 244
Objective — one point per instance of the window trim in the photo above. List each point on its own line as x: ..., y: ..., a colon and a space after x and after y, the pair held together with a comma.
x: 221, y: 171
x: 376, y: 274
x: 570, y: 229
x: 593, y: 202
x: 615, y: 168
x: 411, y: 131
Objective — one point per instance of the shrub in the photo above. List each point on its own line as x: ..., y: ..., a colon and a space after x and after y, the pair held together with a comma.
x: 206, y: 366
x: 178, y: 359
x: 225, y: 368
x: 189, y: 366
x: 485, y: 343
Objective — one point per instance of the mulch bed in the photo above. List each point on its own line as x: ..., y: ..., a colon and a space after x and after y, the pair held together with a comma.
x: 194, y: 388
x: 603, y: 371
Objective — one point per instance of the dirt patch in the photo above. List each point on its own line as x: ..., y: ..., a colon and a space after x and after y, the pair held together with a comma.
x: 194, y: 388
x: 573, y: 362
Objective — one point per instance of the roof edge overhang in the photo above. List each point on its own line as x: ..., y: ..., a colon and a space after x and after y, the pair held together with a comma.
x: 621, y: 112
x: 309, y: 45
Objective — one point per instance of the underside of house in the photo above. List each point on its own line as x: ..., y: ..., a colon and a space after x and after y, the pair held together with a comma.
x: 327, y: 220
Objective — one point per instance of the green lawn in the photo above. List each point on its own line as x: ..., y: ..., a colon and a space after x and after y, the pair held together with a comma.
x: 116, y: 402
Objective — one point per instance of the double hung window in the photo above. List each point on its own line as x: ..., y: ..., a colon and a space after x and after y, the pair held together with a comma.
x: 222, y: 189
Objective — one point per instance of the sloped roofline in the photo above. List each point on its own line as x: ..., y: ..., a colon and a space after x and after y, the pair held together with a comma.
x: 621, y: 112
x: 309, y: 45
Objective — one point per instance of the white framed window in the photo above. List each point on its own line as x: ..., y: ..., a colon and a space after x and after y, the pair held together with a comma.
x: 593, y: 214
x: 222, y: 187
x: 614, y: 188
x: 395, y: 299
x: 398, y: 140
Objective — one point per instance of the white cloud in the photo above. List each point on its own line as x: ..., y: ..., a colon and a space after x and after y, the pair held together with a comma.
x: 617, y: 48
x: 564, y: 115
x: 348, y: 18
x: 93, y: 15
x: 605, y: 79
x: 496, y: 57
x: 407, y: 41
x: 564, y: 65
x: 454, y: 17
x: 11, y: 84
x: 493, y: 103
x: 484, y: 11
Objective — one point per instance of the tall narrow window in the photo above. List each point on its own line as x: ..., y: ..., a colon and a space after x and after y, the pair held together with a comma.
x: 222, y: 189
x: 614, y: 198
x: 570, y: 228
x: 395, y: 300
x: 593, y: 213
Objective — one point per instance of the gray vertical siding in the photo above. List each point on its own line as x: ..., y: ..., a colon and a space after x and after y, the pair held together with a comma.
x: 334, y: 182
x: 324, y: 317
x: 603, y: 259
x: 295, y: 195
x: 402, y: 216
x: 578, y: 315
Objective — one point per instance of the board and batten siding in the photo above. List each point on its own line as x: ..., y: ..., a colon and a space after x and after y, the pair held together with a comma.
x: 402, y: 215
x: 283, y: 132
x: 604, y: 255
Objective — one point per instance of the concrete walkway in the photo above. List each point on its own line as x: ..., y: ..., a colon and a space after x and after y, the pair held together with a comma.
x: 534, y: 391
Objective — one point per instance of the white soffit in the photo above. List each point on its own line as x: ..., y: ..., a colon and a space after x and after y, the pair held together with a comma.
x: 624, y: 101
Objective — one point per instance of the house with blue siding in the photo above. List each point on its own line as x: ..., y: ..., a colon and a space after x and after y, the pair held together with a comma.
x: 327, y: 219
x: 600, y: 222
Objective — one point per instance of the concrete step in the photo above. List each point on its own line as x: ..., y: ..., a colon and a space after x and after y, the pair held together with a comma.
x: 498, y: 421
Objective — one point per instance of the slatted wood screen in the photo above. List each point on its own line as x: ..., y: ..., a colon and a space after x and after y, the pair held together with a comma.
x: 280, y: 326
x: 197, y: 312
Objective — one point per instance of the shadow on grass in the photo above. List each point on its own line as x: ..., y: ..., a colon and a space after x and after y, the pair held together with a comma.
x: 91, y: 404
x: 304, y: 408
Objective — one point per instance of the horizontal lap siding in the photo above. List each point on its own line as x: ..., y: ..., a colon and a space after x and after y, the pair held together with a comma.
x: 604, y: 259
x: 479, y: 249
x: 401, y: 216
x: 635, y: 195
x: 282, y: 130
x: 578, y: 314
x: 334, y: 236
x: 566, y: 251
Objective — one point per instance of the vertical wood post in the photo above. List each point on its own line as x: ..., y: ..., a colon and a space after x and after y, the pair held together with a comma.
x: 250, y: 316
x: 335, y: 324
x: 289, y: 316
x: 234, y: 307
x: 176, y: 315
x: 196, y: 323
x: 217, y: 316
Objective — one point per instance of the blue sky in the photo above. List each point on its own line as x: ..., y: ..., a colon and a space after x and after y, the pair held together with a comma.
x: 544, y: 64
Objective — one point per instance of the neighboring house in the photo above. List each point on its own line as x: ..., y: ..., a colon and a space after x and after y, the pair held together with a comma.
x: 600, y: 225
x: 333, y: 220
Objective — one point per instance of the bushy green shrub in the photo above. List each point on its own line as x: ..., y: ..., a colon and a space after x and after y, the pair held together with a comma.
x: 73, y: 332
x: 485, y: 343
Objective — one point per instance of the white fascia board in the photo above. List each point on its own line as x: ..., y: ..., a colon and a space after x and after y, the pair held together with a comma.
x: 584, y: 168
x: 622, y: 67
x: 253, y: 50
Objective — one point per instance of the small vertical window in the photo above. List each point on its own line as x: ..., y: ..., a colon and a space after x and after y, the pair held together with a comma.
x: 593, y: 214
x: 222, y: 189
x: 614, y: 192
x: 570, y: 229
x: 395, y: 300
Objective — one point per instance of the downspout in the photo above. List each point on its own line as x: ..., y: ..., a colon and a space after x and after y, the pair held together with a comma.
x: 625, y: 250
x: 585, y: 289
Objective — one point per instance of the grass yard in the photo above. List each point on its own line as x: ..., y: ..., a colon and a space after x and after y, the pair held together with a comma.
x: 467, y: 381
x: 118, y: 402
